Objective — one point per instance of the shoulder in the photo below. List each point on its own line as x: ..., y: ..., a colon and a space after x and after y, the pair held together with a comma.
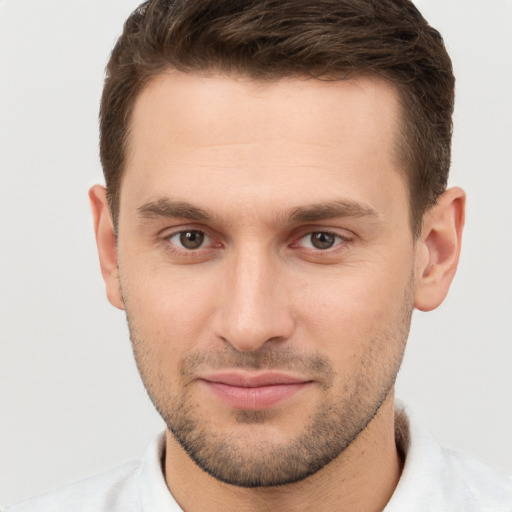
x: 136, y: 486
x: 109, y: 491
x: 476, y: 483
x: 435, y: 478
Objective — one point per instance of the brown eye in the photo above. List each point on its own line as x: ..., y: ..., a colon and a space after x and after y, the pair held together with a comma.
x: 191, y: 239
x: 322, y: 240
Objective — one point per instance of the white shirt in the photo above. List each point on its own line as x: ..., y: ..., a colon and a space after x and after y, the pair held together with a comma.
x: 434, y: 479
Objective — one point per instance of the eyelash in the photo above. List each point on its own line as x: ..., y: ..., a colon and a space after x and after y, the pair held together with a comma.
x: 183, y: 251
x: 340, y: 239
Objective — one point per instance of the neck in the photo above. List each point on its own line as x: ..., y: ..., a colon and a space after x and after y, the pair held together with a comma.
x: 363, y: 477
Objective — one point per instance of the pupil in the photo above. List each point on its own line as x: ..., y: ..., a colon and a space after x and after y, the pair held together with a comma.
x: 322, y: 240
x: 192, y: 239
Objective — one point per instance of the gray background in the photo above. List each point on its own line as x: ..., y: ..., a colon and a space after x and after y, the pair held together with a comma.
x: 70, y: 397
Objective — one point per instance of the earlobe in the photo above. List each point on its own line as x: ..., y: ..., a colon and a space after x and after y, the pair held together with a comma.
x: 438, y: 249
x: 106, y: 243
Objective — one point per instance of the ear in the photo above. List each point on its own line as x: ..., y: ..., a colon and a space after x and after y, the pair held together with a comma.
x: 106, y: 242
x: 438, y: 249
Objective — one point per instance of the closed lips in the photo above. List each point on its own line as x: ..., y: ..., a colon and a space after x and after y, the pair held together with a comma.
x: 243, y: 391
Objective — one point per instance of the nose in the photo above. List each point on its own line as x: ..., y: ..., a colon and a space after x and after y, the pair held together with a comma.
x: 255, y: 307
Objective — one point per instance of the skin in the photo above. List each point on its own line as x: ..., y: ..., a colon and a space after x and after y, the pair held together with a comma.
x: 262, y: 166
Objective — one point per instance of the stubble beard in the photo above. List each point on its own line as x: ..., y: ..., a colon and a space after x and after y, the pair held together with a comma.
x: 237, y: 461
x: 336, y: 424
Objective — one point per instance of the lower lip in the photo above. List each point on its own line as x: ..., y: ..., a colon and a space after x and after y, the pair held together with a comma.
x: 256, y: 398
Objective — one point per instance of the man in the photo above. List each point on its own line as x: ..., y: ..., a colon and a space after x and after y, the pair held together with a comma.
x: 276, y: 206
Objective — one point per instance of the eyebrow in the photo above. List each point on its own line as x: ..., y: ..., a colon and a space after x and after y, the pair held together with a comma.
x: 170, y: 208
x: 330, y: 210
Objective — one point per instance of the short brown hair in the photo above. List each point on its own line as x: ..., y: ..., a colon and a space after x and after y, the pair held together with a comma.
x: 272, y: 39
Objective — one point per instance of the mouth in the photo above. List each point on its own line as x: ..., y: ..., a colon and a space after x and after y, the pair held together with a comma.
x: 242, y: 390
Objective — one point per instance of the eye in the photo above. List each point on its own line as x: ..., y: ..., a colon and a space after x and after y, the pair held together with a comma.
x: 189, y: 239
x: 321, y: 240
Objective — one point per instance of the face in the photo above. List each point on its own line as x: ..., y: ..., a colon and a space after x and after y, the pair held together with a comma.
x: 266, y: 266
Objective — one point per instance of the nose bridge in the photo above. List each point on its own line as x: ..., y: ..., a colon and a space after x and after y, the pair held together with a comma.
x: 253, y: 311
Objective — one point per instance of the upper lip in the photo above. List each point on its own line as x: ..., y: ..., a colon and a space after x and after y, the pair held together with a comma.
x: 248, y: 380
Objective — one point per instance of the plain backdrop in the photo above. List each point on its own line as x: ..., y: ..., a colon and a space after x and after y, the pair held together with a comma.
x: 71, y: 402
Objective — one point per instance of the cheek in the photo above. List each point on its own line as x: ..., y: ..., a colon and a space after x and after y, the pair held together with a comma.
x: 353, y: 309
x: 168, y: 309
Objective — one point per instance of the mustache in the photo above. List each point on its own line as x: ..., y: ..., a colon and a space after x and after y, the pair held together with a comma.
x: 267, y: 357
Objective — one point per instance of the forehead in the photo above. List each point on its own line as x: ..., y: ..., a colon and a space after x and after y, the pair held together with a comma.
x: 199, y: 103
x: 217, y: 134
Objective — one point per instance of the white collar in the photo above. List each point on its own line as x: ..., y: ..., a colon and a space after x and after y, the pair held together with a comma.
x: 434, y: 479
